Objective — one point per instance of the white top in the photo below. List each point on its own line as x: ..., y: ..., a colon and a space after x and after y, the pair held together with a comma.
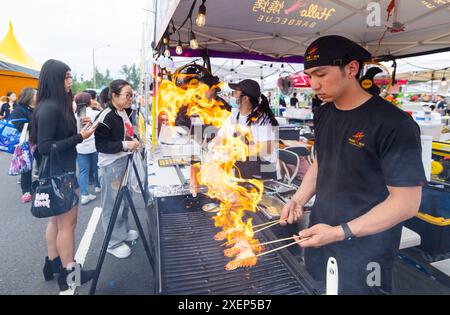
x: 88, y: 145
x: 105, y: 159
x: 259, y: 133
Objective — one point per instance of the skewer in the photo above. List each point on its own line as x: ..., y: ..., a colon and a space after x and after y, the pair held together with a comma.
x: 268, y: 226
x: 285, y: 246
x: 252, y: 260
x: 268, y: 223
x: 276, y: 241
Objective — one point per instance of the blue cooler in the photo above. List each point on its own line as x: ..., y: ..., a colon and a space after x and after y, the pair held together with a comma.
x: 433, y: 220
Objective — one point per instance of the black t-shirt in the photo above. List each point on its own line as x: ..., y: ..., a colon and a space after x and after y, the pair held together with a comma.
x: 294, y: 101
x: 360, y: 152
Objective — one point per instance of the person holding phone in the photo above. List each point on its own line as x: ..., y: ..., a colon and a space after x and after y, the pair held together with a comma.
x: 87, y: 158
x: 54, y: 130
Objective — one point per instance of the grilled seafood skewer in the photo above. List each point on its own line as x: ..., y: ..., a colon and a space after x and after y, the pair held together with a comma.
x: 249, y: 259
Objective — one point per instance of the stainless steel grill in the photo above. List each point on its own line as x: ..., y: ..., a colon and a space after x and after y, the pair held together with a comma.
x: 190, y: 261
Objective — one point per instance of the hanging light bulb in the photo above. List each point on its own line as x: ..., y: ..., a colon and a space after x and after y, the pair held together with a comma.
x: 193, y: 41
x: 167, y: 52
x: 166, y: 39
x: 201, y: 17
x: 179, y: 49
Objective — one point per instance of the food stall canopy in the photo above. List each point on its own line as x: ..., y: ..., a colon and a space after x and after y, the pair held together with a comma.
x: 17, y: 68
x: 285, y: 28
x: 13, y: 56
x: 233, y: 70
x: 424, y: 67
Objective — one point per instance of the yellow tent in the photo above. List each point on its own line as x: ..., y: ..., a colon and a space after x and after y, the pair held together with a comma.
x: 17, y: 68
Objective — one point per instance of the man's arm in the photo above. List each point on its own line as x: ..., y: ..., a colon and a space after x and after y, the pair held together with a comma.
x: 308, y: 187
x: 293, y: 210
x: 402, y: 204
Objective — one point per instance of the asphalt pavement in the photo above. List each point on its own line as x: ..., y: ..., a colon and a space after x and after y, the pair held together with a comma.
x: 23, y: 248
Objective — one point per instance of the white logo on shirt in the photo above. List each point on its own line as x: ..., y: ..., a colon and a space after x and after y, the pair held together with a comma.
x: 42, y: 200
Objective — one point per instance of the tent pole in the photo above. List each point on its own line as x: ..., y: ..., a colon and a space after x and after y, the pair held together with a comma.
x: 155, y: 106
x: 207, y: 60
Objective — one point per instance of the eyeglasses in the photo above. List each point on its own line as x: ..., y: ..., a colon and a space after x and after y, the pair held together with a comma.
x: 127, y: 95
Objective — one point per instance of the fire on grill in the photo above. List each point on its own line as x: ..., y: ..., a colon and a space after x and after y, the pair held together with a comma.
x: 218, y: 172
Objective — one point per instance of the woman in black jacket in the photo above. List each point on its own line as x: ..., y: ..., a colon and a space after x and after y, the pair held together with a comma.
x: 20, y: 116
x: 54, y: 129
x: 114, y: 142
x: 9, y: 106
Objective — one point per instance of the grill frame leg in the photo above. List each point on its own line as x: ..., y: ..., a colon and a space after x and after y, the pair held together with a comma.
x: 124, y: 192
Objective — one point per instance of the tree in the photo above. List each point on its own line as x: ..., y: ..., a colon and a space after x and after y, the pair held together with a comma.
x: 131, y: 74
x: 80, y: 85
x: 102, y: 80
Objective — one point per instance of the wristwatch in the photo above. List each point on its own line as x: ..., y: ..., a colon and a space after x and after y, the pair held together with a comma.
x: 347, y: 232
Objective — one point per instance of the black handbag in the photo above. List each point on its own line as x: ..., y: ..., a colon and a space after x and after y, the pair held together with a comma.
x: 53, y: 195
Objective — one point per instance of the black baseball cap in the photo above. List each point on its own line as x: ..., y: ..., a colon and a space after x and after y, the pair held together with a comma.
x: 248, y: 87
x: 334, y: 50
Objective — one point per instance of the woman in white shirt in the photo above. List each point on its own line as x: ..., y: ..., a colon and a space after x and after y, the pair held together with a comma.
x: 254, y: 113
x: 87, y: 158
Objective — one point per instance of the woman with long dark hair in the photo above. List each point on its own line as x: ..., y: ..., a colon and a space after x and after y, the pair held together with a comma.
x: 54, y: 130
x: 20, y: 116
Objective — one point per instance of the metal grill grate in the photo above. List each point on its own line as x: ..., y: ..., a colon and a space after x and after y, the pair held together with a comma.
x: 192, y: 262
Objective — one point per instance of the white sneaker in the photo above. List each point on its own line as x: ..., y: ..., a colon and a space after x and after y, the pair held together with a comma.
x: 132, y: 236
x: 86, y: 199
x: 122, y: 251
x: 98, y: 190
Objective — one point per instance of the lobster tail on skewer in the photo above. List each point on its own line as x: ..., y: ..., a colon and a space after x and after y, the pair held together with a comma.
x: 241, y: 263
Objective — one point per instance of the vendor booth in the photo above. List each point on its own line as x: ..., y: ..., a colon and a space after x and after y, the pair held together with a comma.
x: 17, y: 68
x: 185, y: 227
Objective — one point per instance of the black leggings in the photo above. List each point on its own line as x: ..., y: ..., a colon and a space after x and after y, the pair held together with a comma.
x: 25, y: 182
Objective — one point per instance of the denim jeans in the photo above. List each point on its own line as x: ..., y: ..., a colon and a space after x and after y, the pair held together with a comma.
x: 85, y: 163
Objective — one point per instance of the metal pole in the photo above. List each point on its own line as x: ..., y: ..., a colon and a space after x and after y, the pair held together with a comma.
x: 93, y: 65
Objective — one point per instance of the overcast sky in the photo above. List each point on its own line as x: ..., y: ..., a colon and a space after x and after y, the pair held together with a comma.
x: 69, y: 30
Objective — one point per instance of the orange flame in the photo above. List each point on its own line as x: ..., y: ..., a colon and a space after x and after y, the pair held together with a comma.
x: 172, y: 98
x: 217, y: 170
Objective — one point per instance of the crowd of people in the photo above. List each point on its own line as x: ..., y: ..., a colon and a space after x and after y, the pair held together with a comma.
x: 85, y: 133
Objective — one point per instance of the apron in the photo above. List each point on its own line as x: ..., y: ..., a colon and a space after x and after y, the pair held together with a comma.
x: 252, y: 169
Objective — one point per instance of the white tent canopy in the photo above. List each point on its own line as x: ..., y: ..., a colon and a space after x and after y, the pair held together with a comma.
x: 232, y: 70
x: 422, y: 68
x: 279, y: 29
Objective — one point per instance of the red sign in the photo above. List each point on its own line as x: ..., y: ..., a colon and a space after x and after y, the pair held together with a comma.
x: 381, y: 82
x: 300, y: 80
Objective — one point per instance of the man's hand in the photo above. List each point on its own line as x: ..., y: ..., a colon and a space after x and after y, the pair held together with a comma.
x: 292, y: 212
x: 320, y: 235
